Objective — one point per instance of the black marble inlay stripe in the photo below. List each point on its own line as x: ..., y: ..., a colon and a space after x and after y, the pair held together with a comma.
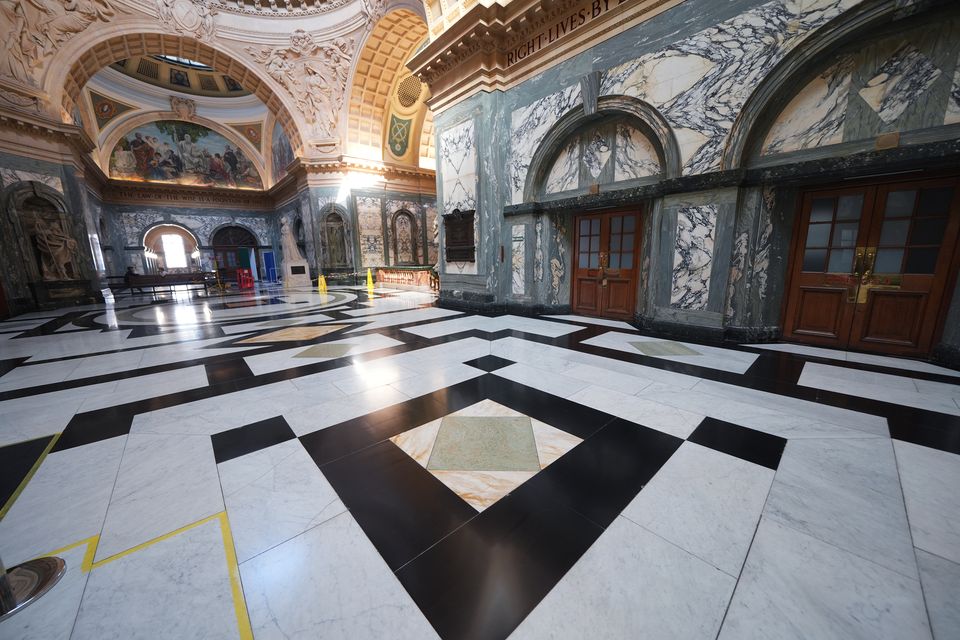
x: 7, y: 366
x: 94, y: 426
x: 234, y: 443
x: 16, y: 460
x: 744, y: 443
x: 489, y: 363
x: 401, y: 507
x: 227, y: 370
x: 485, y: 578
x: 599, y: 477
x: 51, y: 327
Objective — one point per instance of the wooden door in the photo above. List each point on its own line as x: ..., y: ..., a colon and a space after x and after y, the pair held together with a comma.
x: 605, y: 267
x: 871, y: 264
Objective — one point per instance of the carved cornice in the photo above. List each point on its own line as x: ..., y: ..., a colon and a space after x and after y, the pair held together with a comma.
x: 123, y: 192
x: 496, y: 46
x: 36, y: 123
x: 347, y: 164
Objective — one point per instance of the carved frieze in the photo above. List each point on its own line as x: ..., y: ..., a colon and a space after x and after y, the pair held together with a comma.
x: 185, y: 108
x: 189, y: 17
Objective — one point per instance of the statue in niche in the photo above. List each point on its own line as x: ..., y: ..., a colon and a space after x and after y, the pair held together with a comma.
x: 291, y: 252
x: 57, y: 251
x: 336, y: 241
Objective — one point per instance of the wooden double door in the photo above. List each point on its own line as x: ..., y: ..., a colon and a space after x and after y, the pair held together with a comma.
x: 871, y: 266
x: 605, y: 262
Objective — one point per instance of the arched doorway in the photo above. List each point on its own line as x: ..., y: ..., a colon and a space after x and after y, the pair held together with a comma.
x: 171, y: 247
x: 404, y: 239
x: 336, y: 255
x: 233, y: 248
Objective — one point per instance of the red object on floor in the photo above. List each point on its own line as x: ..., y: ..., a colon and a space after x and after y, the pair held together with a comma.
x: 244, y: 279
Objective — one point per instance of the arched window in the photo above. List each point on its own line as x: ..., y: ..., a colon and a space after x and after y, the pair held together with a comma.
x: 335, y: 241
x: 171, y: 247
x: 404, y: 238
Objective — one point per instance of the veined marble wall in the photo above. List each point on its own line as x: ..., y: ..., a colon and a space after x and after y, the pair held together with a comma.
x: 9, y: 175
x: 693, y: 257
x: 907, y: 81
x: 528, y: 126
x: 135, y: 221
x: 370, y: 222
x: 518, y: 260
x: 458, y: 168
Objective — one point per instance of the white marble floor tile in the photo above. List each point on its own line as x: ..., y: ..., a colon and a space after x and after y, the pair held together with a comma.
x: 364, y: 376
x: 705, y: 502
x: 931, y: 489
x: 435, y: 379
x: 632, y: 584
x: 325, y: 414
x: 38, y: 374
x: 329, y: 582
x: 489, y: 325
x: 178, y: 588
x: 148, y: 386
x: 554, y: 383
x: 820, y: 412
x: 165, y: 482
x: 863, y: 358
x: 65, y: 501
x: 237, y: 473
x: 616, y: 324
x: 794, y: 586
x: 662, y: 417
x: 929, y: 387
x: 846, y: 493
x: 395, y: 318
x: 288, y: 499
x: 288, y: 358
x: 711, y: 357
x: 941, y: 588
x: 876, y: 386
x: 52, y: 616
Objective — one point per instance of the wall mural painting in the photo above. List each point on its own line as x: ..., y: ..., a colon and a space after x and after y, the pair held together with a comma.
x: 182, y: 153
x: 281, y: 152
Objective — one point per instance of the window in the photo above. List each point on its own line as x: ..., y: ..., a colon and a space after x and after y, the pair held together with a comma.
x: 173, y: 254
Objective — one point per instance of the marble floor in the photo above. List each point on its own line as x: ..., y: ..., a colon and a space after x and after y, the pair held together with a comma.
x: 285, y: 464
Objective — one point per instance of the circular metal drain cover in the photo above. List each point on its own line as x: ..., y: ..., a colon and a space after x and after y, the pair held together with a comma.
x: 31, y: 580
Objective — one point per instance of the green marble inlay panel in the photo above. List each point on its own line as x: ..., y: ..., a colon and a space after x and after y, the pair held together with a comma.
x: 471, y: 443
x: 325, y: 351
x: 664, y: 348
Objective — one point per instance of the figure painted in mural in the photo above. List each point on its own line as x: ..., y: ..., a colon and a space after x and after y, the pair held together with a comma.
x: 57, y: 251
x: 184, y: 153
x: 179, y: 78
x: 288, y: 243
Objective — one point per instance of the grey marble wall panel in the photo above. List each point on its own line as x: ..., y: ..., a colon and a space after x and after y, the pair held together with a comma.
x: 693, y: 257
x: 952, y: 114
x: 518, y: 260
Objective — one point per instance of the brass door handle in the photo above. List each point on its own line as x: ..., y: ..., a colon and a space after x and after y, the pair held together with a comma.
x: 858, y: 261
x: 869, y: 259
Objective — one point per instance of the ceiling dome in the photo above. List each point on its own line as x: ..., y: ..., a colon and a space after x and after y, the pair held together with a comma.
x: 180, y: 74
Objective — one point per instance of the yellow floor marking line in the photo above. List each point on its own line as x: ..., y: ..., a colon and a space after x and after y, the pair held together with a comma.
x: 28, y: 477
x: 233, y: 567
x: 239, y: 602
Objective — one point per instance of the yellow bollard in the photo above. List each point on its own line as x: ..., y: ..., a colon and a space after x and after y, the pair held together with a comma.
x: 321, y: 285
x: 370, y: 282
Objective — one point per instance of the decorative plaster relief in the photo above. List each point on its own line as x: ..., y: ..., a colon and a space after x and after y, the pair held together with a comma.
x: 529, y: 126
x: 693, y: 257
x: 10, y: 176
x: 815, y: 116
x: 314, y: 74
x: 899, y: 81
x: 194, y: 18
x: 700, y: 83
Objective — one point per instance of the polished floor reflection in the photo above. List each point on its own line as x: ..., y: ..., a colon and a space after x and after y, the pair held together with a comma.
x: 285, y: 464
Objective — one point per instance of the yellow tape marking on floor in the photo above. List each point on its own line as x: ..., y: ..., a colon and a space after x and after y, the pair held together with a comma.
x: 233, y: 567
x: 28, y: 477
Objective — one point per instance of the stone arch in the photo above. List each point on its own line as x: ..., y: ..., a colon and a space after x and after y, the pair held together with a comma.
x: 116, y: 130
x: 142, y: 39
x: 640, y: 114
x: 181, y: 230
x: 398, y: 220
x: 220, y: 232
x: 783, y: 82
x: 382, y: 58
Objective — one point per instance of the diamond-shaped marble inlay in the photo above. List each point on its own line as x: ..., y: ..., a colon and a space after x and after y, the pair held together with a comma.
x: 325, y: 351
x: 659, y: 348
x: 485, y: 451
x: 293, y: 334
x: 899, y: 81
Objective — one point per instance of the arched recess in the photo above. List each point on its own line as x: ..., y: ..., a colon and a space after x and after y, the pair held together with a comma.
x: 335, y: 232
x: 404, y: 234
x: 640, y: 114
x: 382, y: 59
x: 114, y: 132
x: 154, y: 243
x: 120, y: 47
x: 234, y: 247
x: 791, y: 74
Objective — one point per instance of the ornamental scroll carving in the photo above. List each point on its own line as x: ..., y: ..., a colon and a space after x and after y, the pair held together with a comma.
x: 185, y: 108
x: 34, y: 29
x: 189, y: 17
x: 314, y: 74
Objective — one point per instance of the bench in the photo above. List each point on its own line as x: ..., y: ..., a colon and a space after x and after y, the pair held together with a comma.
x: 193, y: 280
